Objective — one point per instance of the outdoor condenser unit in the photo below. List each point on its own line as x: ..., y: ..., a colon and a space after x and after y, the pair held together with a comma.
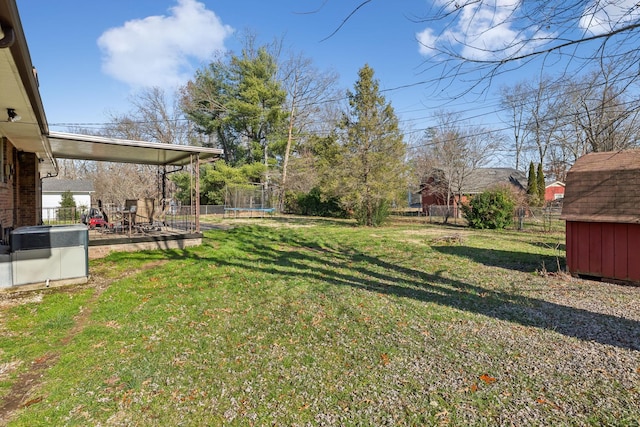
x: 6, y: 275
x: 41, y: 253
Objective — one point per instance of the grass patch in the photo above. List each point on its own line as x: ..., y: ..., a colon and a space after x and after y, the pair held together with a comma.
x: 323, y: 323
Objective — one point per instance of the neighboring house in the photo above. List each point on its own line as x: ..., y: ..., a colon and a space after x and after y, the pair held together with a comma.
x: 52, y: 190
x: 482, y: 179
x: 554, y: 192
x: 603, y: 221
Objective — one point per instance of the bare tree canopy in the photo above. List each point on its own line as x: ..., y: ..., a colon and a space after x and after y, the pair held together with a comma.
x: 477, y: 40
x: 450, y: 155
x: 554, y: 122
x: 495, y: 36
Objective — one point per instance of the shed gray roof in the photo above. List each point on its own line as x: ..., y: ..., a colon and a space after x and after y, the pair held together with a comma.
x: 51, y: 185
x: 603, y: 187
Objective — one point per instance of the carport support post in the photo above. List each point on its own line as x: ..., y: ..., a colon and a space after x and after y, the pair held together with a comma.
x: 197, y: 162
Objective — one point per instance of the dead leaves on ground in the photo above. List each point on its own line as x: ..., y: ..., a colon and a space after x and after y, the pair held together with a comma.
x: 483, y: 379
x: 487, y: 379
x: 543, y: 401
x: 384, y: 358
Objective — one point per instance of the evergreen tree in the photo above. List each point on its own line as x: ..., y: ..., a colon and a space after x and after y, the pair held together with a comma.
x: 540, y: 183
x: 67, y: 209
x: 239, y: 105
x: 256, y: 106
x: 532, y: 185
x: 372, y: 165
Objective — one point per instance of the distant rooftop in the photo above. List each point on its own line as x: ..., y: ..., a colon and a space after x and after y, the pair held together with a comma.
x: 483, y: 179
x: 53, y: 185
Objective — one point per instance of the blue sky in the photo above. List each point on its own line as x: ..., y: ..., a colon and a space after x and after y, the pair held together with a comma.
x: 69, y: 42
x: 92, y: 55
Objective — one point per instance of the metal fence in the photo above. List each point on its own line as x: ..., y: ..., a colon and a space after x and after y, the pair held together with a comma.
x: 178, y: 217
x: 535, y: 219
x: 59, y: 216
x: 539, y: 219
x: 212, y: 210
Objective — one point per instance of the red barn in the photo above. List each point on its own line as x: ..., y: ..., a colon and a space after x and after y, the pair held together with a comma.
x: 602, y: 213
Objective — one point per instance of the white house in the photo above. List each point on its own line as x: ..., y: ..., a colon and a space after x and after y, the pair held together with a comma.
x: 52, y: 190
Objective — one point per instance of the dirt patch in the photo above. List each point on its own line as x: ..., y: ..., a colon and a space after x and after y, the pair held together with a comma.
x: 8, y: 300
x: 23, y: 385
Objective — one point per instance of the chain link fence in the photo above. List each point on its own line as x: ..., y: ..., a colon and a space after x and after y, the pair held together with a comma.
x: 542, y: 219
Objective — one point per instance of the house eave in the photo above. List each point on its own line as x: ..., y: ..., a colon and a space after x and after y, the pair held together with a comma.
x: 19, y: 88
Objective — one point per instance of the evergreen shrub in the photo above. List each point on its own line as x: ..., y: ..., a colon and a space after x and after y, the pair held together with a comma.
x: 491, y: 209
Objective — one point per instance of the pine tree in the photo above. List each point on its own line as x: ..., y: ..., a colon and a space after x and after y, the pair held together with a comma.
x: 540, y: 183
x: 67, y: 207
x: 372, y: 164
x: 532, y: 185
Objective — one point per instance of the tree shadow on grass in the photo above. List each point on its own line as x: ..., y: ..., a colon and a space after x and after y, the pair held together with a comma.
x: 511, y: 260
x: 341, y: 265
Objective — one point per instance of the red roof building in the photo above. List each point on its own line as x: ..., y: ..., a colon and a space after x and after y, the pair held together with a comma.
x: 554, y: 192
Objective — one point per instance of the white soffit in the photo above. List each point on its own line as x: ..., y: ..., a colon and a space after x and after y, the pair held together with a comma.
x: 89, y: 147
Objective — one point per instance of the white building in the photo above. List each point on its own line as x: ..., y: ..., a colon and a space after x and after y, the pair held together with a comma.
x: 52, y: 190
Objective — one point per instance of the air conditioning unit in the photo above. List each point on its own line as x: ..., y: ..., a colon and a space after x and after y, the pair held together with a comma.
x: 49, y: 253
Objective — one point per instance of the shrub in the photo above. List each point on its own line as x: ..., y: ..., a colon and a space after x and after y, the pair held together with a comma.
x: 490, y: 209
x: 379, y: 214
x: 314, y: 203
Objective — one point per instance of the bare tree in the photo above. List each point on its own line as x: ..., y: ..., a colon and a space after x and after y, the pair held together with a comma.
x: 453, y: 152
x: 307, y: 90
x: 491, y: 37
x: 480, y: 40
x: 604, y: 112
x: 513, y: 100
x: 544, y: 112
x: 154, y: 117
x: 538, y: 113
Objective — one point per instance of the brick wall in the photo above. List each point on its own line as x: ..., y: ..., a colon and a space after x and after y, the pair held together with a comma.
x: 29, y: 190
x: 7, y: 188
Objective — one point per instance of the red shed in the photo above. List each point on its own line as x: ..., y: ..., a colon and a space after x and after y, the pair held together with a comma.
x: 602, y: 212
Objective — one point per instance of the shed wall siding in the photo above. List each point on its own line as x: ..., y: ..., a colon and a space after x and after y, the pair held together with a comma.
x: 606, y: 250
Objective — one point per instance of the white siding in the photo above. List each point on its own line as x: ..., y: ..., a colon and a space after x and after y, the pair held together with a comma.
x: 51, y: 201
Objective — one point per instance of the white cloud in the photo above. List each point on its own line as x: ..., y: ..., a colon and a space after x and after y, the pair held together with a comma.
x: 483, y: 31
x: 157, y: 50
x: 603, y: 17
x: 427, y: 41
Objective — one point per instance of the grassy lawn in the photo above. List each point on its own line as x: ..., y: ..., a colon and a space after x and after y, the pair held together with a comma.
x: 317, y: 322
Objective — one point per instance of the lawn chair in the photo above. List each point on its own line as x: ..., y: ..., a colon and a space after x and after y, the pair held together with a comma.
x: 159, y: 218
x: 129, y: 215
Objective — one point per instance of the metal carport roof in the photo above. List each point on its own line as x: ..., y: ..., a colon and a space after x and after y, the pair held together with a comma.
x: 89, y: 147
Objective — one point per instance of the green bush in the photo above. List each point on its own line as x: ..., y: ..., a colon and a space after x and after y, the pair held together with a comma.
x: 314, y: 203
x: 379, y: 214
x: 490, y: 209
